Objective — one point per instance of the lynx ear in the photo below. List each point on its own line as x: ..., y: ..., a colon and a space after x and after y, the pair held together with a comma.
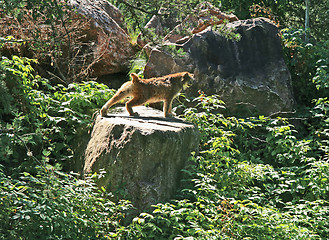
x: 134, y: 77
x: 187, y: 76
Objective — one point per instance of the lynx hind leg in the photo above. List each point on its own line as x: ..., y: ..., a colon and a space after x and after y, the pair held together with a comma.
x: 104, y: 110
x: 108, y: 104
x: 122, y: 93
x: 132, y: 103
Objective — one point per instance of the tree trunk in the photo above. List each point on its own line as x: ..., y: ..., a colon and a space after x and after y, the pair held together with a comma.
x: 307, y: 20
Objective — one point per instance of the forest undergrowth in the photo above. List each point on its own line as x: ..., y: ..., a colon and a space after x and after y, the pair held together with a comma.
x: 253, y: 178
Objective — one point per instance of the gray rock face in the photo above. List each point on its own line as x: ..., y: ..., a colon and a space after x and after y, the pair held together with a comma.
x: 142, y: 156
x: 249, y: 75
x: 106, y: 35
x: 154, y: 68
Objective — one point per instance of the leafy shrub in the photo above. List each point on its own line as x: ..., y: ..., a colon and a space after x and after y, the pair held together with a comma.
x: 261, y: 160
x: 313, y: 215
x: 307, y: 64
x: 320, y: 124
x: 44, y: 119
x: 56, y: 205
x: 321, y: 77
x: 221, y: 219
x: 137, y: 66
x: 243, y: 184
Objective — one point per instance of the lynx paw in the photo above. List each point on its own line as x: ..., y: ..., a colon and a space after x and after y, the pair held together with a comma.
x: 103, y: 112
x: 135, y: 114
x: 169, y: 115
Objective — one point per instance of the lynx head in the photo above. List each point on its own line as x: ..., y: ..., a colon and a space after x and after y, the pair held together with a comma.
x: 187, y: 80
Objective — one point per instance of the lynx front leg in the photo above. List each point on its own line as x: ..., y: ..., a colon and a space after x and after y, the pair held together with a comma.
x: 132, y: 103
x: 167, y: 107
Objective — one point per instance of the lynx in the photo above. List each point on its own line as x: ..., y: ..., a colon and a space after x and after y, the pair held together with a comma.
x: 150, y: 90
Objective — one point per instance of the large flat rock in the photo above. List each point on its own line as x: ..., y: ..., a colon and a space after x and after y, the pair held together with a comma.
x: 142, y: 156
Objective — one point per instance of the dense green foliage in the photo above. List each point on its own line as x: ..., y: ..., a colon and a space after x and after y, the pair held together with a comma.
x: 53, y: 205
x: 308, y: 64
x: 253, y: 178
x: 36, y: 113
x: 287, y: 13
